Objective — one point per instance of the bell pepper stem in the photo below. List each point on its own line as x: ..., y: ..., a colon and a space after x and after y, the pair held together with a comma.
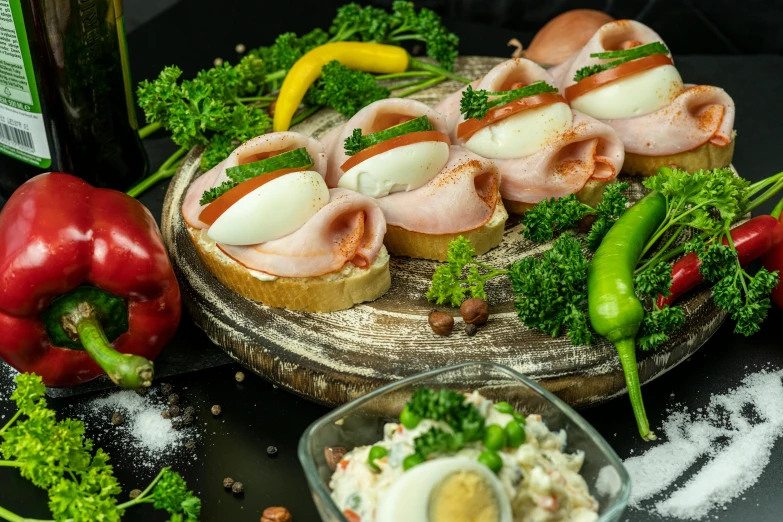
x: 627, y: 350
x: 124, y: 369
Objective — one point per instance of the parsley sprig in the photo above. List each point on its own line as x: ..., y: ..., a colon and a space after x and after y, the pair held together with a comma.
x: 621, y: 56
x: 55, y: 455
x: 450, y: 407
x: 475, y: 104
x: 554, y: 215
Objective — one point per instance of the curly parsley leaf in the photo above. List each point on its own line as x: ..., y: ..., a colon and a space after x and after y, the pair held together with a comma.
x: 448, y: 406
x: 658, y: 324
x: 654, y: 281
x: 435, y: 440
x: 717, y: 261
x: 345, y: 90
x: 551, y: 216
x: 475, y: 104
x: 551, y: 290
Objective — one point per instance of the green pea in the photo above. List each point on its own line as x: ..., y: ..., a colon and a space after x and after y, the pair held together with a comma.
x: 494, y: 437
x: 492, y: 460
x: 520, y: 418
x: 376, y: 452
x: 504, y: 407
x: 409, y: 419
x: 516, y: 434
x: 411, y: 461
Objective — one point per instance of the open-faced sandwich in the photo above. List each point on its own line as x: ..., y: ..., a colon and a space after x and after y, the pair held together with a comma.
x: 398, y: 152
x: 266, y: 225
x: 625, y: 77
x: 515, y: 116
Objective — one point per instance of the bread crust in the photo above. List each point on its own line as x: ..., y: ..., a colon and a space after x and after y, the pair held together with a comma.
x: 327, y: 293
x: 707, y: 157
x: 417, y: 245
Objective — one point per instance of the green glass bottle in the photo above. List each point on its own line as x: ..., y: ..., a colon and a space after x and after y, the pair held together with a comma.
x: 66, y: 102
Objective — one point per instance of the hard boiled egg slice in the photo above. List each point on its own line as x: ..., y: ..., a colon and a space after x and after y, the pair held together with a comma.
x: 272, y: 211
x: 453, y: 489
x: 402, y: 168
x: 521, y: 134
x: 635, y: 95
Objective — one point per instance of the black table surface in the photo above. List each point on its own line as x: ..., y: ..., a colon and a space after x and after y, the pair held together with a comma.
x: 256, y: 415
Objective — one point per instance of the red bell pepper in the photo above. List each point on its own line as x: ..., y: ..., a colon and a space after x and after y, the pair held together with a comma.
x: 86, y: 286
x: 751, y: 239
x: 773, y: 260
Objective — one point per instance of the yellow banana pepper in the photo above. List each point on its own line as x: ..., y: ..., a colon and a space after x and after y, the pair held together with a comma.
x: 362, y: 56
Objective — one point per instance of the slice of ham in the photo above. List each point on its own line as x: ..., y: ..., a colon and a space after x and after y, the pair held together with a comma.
x: 614, y: 36
x: 377, y: 116
x: 505, y: 76
x: 590, y: 149
x: 462, y: 197
x: 252, y: 150
x: 700, y: 114
x: 350, y: 228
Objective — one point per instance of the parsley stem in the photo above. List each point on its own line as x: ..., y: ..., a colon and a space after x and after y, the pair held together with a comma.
x: 11, y: 421
x: 9, y: 464
x: 777, y: 210
x: 13, y: 517
x: 277, y: 75
x: 165, y: 171
x: 421, y: 87
x: 256, y: 98
x: 149, y: 129
x: 143, y: 494
x: 306, y: 114
x: 406, y: 85
x: 413, y: 63
x: 407, y: 74
x: 764, y: 197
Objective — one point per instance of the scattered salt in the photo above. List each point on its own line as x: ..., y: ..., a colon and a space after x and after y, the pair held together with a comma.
x: 731, y: 439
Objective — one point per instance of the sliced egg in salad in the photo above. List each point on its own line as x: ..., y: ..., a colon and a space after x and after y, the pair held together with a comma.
x: 521, y: 134
x: 402, y: 168
x: 272, y: 211
x: 630, y: 96
x: 453, y: 489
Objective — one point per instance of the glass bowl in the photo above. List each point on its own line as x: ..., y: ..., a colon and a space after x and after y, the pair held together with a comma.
x: 360, y: 423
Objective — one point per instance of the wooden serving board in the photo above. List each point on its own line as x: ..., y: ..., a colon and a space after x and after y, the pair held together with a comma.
x: 335, y: 357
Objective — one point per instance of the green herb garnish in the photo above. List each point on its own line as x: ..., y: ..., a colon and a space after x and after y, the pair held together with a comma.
x: 292, y: 159
x: 622, y: 56
x: 357, y: 142
x: 55, y: 456
x: 475, y: 104
x: 345, y: 90
x: 450, y: 407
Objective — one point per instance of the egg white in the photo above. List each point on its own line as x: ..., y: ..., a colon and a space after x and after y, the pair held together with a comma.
x: 635, y: 95
x: 408, y: 498
x: 521, y: 134
x: 400, y: 169
x: 272, y: 211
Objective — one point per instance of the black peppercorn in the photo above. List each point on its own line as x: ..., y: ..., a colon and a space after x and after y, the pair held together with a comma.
x: 166, y: 414
x: 238, y: 488
x: 167, y: 388
x: 471, y: 329
x: 216, y: 410
x: 190, y: 444
x: 174, y: 410
x: 177, y: 423
x: 134, y: 493
x: 187, y: 420
x: 173, y: 398
x: 228, y: 482
x: 117, y: 419
x: 189, y: 411
x: 271, y: 450
x: 142, y: 392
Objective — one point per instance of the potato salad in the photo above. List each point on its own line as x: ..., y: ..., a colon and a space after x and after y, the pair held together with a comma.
x: 458, y: 458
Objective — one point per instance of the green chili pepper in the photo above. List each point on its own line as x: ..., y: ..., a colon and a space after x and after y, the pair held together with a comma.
x: 615, y: 311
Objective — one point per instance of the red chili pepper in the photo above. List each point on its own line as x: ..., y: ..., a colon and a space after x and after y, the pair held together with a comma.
x: 85, y: 284
x: 751, y: 239
x: 773, y: 260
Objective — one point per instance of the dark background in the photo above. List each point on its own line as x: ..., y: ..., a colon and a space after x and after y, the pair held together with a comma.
x: 710, y: 40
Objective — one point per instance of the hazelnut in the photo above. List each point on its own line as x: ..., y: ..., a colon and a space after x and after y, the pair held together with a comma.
x: 276, y: 514
x: 334, y: 455
x: 237, y: 488
x: 474, y: 311
x: 441, y: 323
x: 228, y: 482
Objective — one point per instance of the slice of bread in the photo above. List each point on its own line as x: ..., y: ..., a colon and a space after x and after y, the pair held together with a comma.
x: 326, y: 293
x: 591, y: 194
x: 708, y: 157
x: 403, y: 242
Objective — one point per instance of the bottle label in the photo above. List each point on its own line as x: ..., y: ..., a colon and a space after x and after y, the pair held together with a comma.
x: 22, y: 126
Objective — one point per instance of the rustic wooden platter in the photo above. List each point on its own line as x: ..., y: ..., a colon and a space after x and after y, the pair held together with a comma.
x: 335, y: 357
